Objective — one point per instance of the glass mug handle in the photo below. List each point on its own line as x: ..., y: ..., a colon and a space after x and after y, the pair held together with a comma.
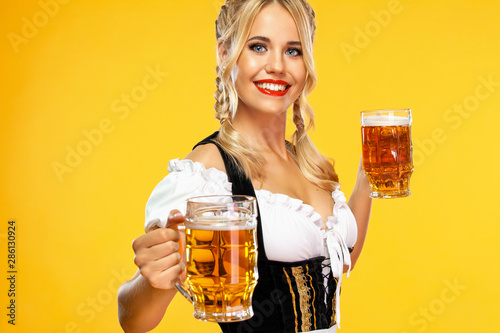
x: 181, y: 287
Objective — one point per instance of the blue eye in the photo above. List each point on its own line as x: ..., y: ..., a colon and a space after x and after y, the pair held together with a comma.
x: 258, y: 47
x: 293, y: 52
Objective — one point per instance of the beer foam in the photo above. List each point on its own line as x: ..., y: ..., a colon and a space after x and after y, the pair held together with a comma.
x: 221, y: 224
x: 384, y: 120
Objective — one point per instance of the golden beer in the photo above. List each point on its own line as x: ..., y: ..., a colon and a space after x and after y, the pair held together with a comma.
x: 387, y: 152
x: 221, y: 257
x: 221, y: 271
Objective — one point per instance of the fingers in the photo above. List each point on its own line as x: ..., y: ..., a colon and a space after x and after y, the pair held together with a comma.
x: 160, y: 263
x: 174, y: 218
x: 162, y: 272
x: 156, y: 253
x: 155, y: 237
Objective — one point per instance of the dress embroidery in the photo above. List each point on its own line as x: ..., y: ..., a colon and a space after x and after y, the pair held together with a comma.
x: 304, y: 297
x: 314, y: 297
x: 333, y: 320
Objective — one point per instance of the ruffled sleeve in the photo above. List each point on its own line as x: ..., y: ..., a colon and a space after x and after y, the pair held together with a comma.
x: 186, y: 179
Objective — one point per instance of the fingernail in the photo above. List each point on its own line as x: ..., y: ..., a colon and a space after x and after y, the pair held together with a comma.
x: 176, y: 246
x: 178, y: 256
x: 177, y: 215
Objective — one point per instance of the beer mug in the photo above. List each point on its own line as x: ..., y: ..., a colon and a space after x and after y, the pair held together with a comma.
x: 221, y: 257
x: 387, y: 152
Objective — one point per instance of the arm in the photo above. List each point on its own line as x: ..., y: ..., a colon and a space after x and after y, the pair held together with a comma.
x: 360, y: 204
x: 143, y: 300
x: 141, y: 307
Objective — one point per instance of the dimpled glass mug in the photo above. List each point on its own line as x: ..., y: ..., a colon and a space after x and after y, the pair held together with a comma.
x: 387, y: 152
x: 221, y: 257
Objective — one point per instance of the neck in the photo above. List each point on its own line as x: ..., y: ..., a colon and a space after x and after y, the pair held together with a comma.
x: 265, y: 133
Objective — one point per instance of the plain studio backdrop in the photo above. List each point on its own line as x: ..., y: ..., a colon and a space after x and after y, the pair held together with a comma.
x: 97, y: 97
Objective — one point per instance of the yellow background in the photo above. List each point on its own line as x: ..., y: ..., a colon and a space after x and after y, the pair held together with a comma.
x: 67, y: 73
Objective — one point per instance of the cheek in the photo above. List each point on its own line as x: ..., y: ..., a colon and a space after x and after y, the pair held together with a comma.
x: 302, y: 73
x: 247, y: 64
x: 298, y: 70
x: 245, y: 74
x: 239, y: 74
x: 300, y: 78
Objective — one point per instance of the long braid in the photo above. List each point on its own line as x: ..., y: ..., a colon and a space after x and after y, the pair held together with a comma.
x: 298, y: 119
x: 221, y: 102
x: 221, y: 95
x: 316, y: 167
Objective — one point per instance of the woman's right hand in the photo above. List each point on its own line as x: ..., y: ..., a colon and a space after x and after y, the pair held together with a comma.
x: 156, y: 253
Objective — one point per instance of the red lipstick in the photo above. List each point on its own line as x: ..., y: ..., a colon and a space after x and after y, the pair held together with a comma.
x: 273, y: 92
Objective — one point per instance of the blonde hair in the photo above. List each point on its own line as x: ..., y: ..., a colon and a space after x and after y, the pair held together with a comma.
x: 232, y: 29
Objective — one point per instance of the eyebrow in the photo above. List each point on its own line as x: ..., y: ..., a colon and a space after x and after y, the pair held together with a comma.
x: 267, y: 40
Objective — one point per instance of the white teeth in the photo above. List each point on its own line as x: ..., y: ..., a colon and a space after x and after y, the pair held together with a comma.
x: 271, y: 86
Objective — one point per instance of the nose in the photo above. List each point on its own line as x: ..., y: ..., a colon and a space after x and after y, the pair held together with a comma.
x: 275, y: 63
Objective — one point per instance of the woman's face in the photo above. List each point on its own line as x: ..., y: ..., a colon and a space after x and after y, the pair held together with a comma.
x: 270, y: 73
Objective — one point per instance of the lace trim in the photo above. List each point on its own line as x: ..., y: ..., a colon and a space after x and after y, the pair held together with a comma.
x: 211, y: 175
x: 304, y: 297
x: 293, y: 204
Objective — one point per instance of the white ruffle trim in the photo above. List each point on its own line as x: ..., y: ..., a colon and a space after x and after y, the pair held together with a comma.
x: 215, y: 180
x: 291, y: 204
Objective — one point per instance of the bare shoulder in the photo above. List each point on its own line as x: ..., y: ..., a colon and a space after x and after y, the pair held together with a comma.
x: 208, y: 155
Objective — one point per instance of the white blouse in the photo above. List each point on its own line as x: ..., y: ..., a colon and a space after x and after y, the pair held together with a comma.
x: 291, y: 229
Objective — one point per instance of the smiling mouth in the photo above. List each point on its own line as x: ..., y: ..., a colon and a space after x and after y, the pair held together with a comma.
x: 272, y: 87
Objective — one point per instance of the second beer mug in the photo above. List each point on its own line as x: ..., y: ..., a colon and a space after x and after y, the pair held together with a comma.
x: 221, y: 257
x: 387, y: 152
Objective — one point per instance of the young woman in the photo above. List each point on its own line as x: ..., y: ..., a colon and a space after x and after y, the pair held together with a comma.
x: 307, y: 231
